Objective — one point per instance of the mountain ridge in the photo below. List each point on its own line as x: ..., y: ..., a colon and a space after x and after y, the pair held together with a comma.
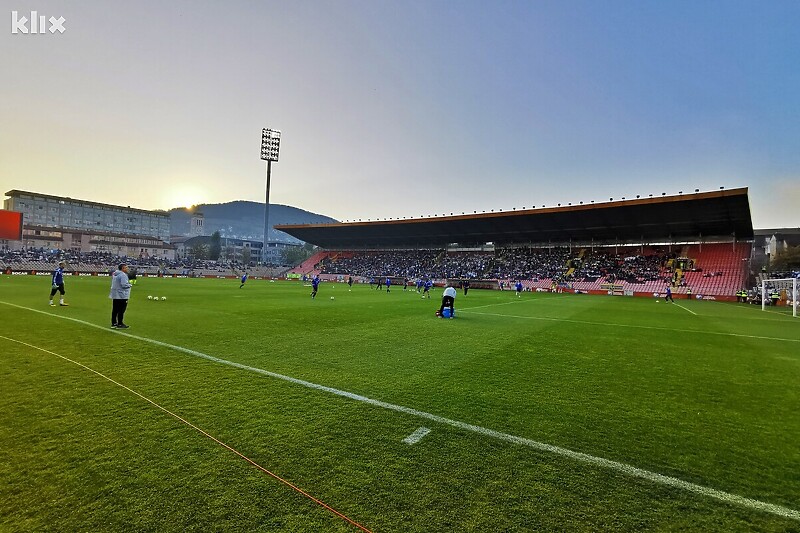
x: 243, y: 219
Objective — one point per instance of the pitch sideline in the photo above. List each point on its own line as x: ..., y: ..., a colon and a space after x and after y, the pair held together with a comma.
x: 632, y: 471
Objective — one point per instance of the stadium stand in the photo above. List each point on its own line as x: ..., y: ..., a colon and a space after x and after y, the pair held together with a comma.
x: 311, y: 266
x: 41, y: 260
x: 635, y: 269
x: 716, y: 269
x: 492, y: 249
x: 719, y: 269
x: 601, y: 247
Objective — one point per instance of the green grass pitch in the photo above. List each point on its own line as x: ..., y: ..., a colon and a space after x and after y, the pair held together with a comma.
x: 703, y: 392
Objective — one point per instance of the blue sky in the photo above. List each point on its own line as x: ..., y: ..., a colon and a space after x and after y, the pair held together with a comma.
x: 400, y: 109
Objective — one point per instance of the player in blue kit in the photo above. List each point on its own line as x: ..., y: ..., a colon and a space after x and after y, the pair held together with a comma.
x: 58, y: 284
x: 244, y: 280
x: 668, y: 296
x: 314, y: 287
x: 427, y: 289
x: 519, y: 287
x: 388, y: 283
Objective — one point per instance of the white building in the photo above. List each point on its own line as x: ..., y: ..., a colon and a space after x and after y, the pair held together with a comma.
x: 54, y: 222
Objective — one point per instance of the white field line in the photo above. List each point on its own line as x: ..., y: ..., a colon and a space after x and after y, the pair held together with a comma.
x: 685, y: 309
x: 616, y: 466
x: 517, y: 301
x: 635, y: 326
x: 416, y: 436
x: 783, y: 314
x: 764, y: 319
x: 488, y: 305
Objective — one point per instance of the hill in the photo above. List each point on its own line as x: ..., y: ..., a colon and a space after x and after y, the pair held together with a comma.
x: 242, y: 219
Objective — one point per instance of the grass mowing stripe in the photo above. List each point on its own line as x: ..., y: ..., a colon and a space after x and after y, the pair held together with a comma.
x: 627, y: 469
x: 203, y: 432
x: 591, y: 323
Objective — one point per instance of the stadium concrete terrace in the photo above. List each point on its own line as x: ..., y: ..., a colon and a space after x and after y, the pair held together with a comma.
x: 717, y: 216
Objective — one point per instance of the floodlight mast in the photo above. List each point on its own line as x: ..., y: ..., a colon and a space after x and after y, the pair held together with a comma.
x: 270, y: 146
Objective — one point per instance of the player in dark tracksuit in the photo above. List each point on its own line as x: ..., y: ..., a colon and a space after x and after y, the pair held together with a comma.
x: 58, y: 284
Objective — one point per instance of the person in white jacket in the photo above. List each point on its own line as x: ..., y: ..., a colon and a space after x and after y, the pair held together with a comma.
x: 448, y: 300
x: 120, y: 293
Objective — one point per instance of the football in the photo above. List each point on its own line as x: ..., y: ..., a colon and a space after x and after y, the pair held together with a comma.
x: 149, y: 297
x: 163, y: 297
x: 332, y: 297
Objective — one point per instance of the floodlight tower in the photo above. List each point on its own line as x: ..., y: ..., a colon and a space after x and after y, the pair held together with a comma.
x: 270, y: 145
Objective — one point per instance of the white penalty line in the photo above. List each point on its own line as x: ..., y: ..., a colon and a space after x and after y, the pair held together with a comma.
x: 635, y: 326
x: 685, y: 309
x: 783, y: 314
x: 488, y: 305
x: 517, y: 301
x: 616, y: 466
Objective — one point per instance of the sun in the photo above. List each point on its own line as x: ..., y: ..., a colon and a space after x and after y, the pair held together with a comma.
x: 184, y: 196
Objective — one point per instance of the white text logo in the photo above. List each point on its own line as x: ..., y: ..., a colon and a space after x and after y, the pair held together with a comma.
x: 38, y: 23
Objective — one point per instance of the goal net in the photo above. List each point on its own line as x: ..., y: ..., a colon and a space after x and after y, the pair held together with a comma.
x: 780, y: 292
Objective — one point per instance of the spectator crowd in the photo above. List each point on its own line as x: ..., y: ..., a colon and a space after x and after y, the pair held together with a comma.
x: 558, y: 264
x: 41, y: 259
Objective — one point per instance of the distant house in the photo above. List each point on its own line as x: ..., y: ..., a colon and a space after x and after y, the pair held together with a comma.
x: 234, y: 249
x: 774, y: 241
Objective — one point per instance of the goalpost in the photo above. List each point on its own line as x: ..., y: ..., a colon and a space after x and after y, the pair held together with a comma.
x: 787, y: 287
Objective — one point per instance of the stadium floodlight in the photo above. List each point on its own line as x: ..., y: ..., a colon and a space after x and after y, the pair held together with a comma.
x: 270, y: 147
x: 270, y: 144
